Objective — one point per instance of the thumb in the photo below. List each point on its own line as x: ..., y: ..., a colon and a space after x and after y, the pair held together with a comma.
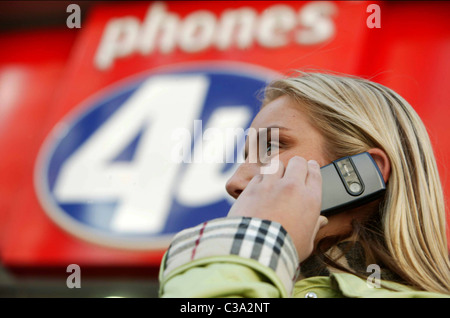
x: 321, y: 222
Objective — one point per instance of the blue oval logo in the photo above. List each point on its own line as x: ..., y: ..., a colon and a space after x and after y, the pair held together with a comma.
x: 127, y: 168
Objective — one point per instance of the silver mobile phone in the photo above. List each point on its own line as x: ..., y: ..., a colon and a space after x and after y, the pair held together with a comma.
x: 350, y: 182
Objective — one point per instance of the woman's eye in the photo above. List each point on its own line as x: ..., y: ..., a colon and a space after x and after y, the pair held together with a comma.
x: 272, y: 148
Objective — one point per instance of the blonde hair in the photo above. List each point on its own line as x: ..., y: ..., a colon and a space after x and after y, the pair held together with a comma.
x: 356, y: 114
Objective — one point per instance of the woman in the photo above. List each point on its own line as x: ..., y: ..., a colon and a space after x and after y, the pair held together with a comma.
x: 275, y: 223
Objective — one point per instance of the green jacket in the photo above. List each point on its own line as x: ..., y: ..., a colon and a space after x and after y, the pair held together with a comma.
x: 249, y: 257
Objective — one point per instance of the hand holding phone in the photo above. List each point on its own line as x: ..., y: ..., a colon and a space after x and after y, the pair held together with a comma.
x: 291, y: 196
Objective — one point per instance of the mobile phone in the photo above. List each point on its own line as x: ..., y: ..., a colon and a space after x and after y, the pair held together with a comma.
x: 349, y: 182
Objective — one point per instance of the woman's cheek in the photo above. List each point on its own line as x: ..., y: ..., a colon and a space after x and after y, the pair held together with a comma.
x: 284, y: 157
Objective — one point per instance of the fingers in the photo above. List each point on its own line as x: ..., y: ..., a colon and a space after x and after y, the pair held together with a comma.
x: 302, y: 170
x: 275, y: 170
x: 255, y: 180
x: 321, y: 222
x: 296, y: 170
x: 314, y: 177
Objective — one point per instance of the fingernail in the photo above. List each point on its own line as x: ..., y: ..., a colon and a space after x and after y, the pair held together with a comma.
x: 313, y: 162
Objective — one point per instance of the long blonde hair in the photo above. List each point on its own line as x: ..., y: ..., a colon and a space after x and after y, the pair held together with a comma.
x: 356, y: 114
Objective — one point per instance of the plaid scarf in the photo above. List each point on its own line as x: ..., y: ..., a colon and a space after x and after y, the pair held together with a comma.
x: 263, y: 241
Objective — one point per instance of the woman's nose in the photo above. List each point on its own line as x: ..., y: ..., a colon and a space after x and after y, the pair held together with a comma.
x: 239, y: 180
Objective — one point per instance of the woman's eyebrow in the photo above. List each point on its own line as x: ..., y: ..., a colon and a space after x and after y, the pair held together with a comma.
x: 277, y: 126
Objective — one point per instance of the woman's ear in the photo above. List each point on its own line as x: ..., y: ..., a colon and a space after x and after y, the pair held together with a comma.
x: 382, y: 161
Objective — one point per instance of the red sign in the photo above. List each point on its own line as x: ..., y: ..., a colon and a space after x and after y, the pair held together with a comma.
x: 132, y: 54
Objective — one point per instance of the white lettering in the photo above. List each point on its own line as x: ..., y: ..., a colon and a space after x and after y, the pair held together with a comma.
x: 197, y: 308
x: 139, y: 186
x: 275, y: 24
x: 159, y: 27
x: 236, y: 24
x: 197, y: 32
x: 164, y: 31
x: 316, y: 20
x: 118, y: 41
x: 203, y: 183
